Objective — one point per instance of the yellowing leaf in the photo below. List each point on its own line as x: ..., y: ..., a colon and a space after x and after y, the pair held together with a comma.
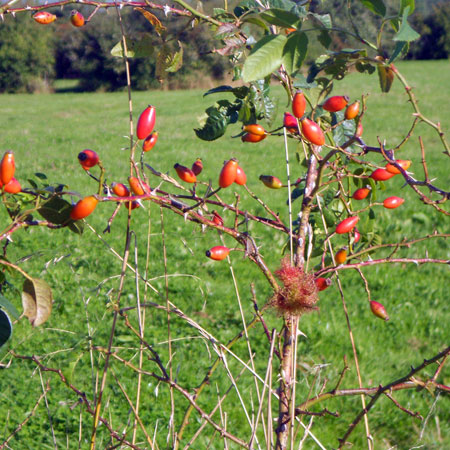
x: 37, y: 301
x: 159, y: 27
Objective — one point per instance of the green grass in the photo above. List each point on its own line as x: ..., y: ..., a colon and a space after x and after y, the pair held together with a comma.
x: 46, y: 133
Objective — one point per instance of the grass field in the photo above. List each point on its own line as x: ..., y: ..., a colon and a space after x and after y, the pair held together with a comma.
x: 47, y: 132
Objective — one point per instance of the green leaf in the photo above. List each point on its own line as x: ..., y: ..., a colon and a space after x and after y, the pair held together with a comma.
x: 214, y: 125
x: 405, y: 4
x: 266, y: 57
x: 245, y: 6
x: 324, y: 19
x: 406, y: 33
x: 136, y: 48
x: 324, y: 38
x: 294, y: 51
x: 376, y: 6
x: 256, y: 21
x: 400, y: 47
x: 5, y: 328
x: 56, y: 210
x: 287, y: 5
x: 301, y: 83
x: 281, y: 18
x: 6, y: 304
x: 239, y: 92
x: 37, y: 301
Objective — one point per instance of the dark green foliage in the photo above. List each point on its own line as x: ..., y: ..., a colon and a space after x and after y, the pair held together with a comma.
x: 434, y: 28
x: 26, y: 55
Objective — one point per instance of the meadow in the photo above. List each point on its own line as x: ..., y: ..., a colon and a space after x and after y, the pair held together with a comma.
x: 47, y: 132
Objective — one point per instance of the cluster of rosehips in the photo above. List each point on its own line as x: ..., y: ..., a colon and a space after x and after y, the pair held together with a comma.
x: 7, y: 168
x: 310, y: 130
x: 44, y: 18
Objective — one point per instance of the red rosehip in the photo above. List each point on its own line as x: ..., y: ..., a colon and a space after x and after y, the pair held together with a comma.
x: 44, y: 17
x: 312, y: 132
x: 381, y: 175
x: 255, y: 128
x: 217, y: 219
x: 347, y: 225
x: 185, y: 173
x: 290, y: 123
x: 83, y: 208
x: 299, y: 105
x: 197, y: 167
x: 13, y: 187
x: 352, y: 110
x: 393, y: 202
x: 120, y: 190
x: 335, y: 103
x: 379, y: 310
x: 228, y: 173
x: 146, y: 122
x: 88, y: 158
x: 361, y: 193
x: 138, y: 188
x: 322, y: 283
x: 341, y: 256
x: 403, y: 163
x: 250, y: 137
x: 218, y: 253
x: 150, y: 141
x: 7, y: 167
x: 241, y: 178
x: 76, y: 18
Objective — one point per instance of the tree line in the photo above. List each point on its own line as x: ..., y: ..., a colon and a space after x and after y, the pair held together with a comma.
x: 32, y: 56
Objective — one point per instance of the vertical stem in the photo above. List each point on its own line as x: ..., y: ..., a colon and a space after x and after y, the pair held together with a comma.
x: 169, y: 336
x: 291, y: 244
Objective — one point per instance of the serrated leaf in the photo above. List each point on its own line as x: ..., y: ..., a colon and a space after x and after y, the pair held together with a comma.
x: 265, y: 58
x: 8, y: 306
x: 376, y: 6
x: 5, y: 328
x: 406, y: 33
x: 214, y: 125
x: 281, y: 18
x: 136, y: 48
x: 294, y: 51
x: 56, y: 210
x: 37, y: 301
x: 159, y: 27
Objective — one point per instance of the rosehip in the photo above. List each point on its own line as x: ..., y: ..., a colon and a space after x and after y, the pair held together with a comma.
x: 150, y: 141
x: 290, y: 123
x: 347, y: 225
x: 83, y: 208
x: 120, y: 190
x: 312, y: 132
x: 357, y: 236
x: 228, y: 173
x: 185, y: 173
x: 138, y: 188
x: 218, y: 253
x: 146, y: 122
x: 298, y: 104
x: 393, y: 202
x: 254, y: 128
x: 352, y: 110
x: 134, y: 204
x: 271, y: 181
x: 403, y: 163
x: 7, y: 167
x: 13, y: 187
x: 44, y: 17
x: 335, y: 103
x: 217, y: 219
x: 197, y: 167
x: 250, y: 137
x: 381, y: 175
x: 341, y: 256
x: 361, y: 193
x: 379, y: 310
x: 359, y: 130
x: 322, y: 283
x: 76, y: 18
x: 88, y: 158
x: 241, y: 178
